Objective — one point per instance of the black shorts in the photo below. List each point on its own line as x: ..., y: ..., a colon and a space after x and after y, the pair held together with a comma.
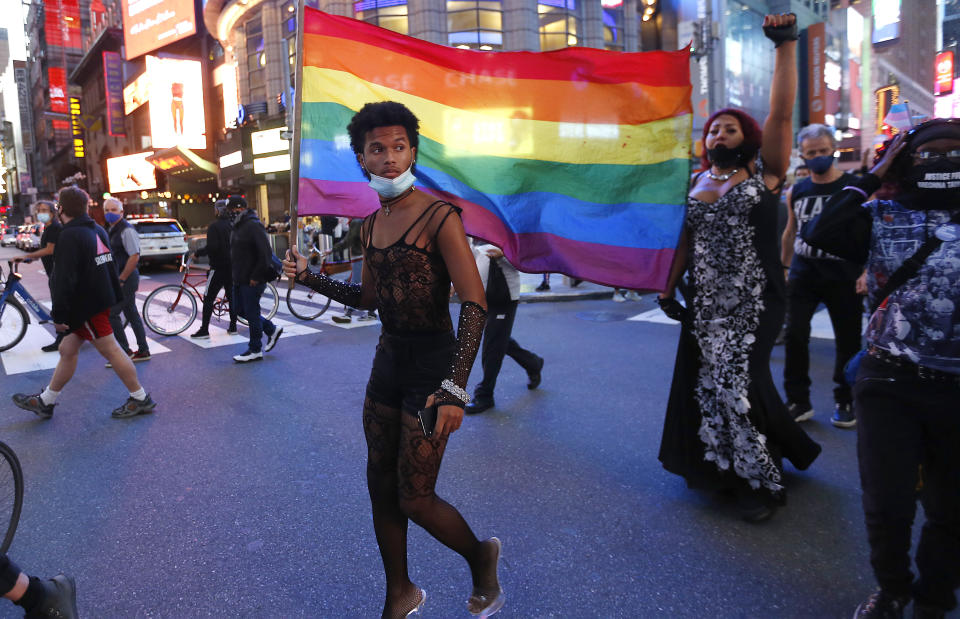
x: 407, y: 369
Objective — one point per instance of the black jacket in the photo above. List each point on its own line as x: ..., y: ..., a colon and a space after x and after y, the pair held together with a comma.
x: 250, y: 251
x: 352, y: 240
x: 218, y: 244
x: 85, y: 281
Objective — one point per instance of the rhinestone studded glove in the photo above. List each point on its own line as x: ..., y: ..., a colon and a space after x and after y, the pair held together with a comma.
x: 341, y: 292
x: 469, y: 333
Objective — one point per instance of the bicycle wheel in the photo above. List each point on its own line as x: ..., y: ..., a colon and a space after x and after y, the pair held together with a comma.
x: 13, y: 323
x: 169, y: 310
x: 269, y: 303
x: 306, y: 304
x: 11, y: 495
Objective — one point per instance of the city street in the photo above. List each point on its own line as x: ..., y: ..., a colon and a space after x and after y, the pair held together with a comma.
x: 244, y: 493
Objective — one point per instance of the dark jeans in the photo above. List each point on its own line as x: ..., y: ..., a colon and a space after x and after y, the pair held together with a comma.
x: 908, y: 433
x: 8, y: 574
x: 219, y: 278
x: 248, y: 306
x: 845, y: 307
x: 128, y: 307
x: 497, y: 343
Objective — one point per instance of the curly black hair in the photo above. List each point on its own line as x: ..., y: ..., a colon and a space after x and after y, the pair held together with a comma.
x: 382, y: 114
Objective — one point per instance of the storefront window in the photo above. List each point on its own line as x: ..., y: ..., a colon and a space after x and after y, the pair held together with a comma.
x: 749, y: 61
x: 613, y: 28
x: 475, y: 24
x: 256, y: 59
x: 558, y: 23
x: 389, y: 14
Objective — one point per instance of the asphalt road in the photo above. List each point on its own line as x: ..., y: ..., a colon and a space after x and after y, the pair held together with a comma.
x: 244, y: 494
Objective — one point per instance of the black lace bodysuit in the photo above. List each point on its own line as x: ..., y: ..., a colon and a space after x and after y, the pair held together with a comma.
x: 412, y: 287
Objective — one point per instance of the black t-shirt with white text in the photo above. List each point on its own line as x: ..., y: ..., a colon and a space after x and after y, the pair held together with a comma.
x: 807, y: 200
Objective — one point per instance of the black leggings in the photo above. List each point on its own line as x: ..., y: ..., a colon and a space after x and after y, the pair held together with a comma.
x: 219, y: 278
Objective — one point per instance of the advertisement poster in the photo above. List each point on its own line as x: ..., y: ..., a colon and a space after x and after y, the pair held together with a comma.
x: 943, y: 80
x: 136, y: 93
x: 58, y: 90
x: 149, y: 24
x: 113, y: 87
x: 176, y: 103
x: 816, y: 59
x: 131, y: 173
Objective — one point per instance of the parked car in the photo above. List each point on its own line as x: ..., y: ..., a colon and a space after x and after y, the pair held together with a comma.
x: 161, y: 240
x: 31, y: 240
x: 23, y: 233
x: 9, y: 237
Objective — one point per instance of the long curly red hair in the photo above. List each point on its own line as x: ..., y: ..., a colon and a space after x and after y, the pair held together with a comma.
x: 752, y: 133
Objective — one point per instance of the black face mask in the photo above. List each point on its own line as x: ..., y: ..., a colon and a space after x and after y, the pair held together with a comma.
x: 932, y: 186
x: 724, y: 157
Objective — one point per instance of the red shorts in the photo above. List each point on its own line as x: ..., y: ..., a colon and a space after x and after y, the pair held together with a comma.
x: 95, y: 327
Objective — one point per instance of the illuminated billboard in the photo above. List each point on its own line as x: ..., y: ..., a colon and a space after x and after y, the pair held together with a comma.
x: 136, y: 93
x: 131, y: 173
x: 886, y: 21
x: 57, y: 77
x: 149, y: 24
x: 268, y: 141
x: 176, y: 103
x: 943, y: 71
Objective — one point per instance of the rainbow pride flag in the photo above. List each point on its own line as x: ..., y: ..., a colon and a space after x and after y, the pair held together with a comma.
x: 573, y: 161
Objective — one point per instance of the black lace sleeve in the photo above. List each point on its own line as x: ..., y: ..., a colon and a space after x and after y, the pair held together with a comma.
x: 341, y: 292
x: 469, y: 333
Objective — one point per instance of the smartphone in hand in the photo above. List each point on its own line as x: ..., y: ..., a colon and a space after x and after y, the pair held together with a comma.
x: 428, y: 420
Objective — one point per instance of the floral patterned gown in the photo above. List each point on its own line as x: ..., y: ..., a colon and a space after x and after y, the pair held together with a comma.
x: 725, y: 423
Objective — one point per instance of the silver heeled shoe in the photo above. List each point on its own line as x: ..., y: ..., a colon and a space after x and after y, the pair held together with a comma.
x: 486, y: 605
x: 416, y: 610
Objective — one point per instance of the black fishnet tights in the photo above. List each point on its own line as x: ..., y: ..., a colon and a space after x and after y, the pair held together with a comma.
x: 402, y: 467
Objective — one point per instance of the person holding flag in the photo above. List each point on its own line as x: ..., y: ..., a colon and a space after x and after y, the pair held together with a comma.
x: 414, y: 246
x: 726, y: 427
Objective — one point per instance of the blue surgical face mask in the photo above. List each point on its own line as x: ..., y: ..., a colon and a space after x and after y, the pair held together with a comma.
x: 112, y: 218
x: 43, y: 218
x: 819, y: 165
x: 392, y: 187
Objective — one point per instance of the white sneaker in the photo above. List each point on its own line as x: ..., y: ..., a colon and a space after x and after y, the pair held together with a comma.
x: 618, y: 297
x: 272, y: 339
x: 366, y: 318
x: 248, y: 356
x: 633, y: 295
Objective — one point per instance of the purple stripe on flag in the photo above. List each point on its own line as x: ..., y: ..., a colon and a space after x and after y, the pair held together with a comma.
x: 625, y: 267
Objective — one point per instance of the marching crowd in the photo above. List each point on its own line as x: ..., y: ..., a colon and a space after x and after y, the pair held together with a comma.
x: 892, y: 231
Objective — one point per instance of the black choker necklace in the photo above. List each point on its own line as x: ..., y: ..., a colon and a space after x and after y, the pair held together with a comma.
x: 387, y: 204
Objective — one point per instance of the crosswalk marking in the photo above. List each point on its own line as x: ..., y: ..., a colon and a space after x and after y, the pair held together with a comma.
x: 820, y: 326
x: 27, y: 356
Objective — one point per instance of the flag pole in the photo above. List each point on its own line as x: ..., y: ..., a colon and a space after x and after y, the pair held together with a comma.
x: 293, y: 233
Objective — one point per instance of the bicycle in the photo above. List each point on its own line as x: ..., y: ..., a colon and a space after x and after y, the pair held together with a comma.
x: 11, y: 494
x: 311, y: 304
x: 170, y: 309
x: 14, y: 302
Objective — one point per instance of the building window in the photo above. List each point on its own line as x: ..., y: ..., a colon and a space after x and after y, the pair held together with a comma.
x: 256, y: 59
x: 613, y: 28
x: 389, y: 14
x: 558, y: 24
x: 475, y: 24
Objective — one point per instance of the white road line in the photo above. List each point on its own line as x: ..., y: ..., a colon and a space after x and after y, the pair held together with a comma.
x: 820, y: 326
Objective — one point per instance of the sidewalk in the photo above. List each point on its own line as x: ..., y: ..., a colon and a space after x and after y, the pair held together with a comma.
x: 560, y: 289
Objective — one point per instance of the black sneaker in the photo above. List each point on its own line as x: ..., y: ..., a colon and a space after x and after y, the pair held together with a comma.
x: 232, y: 329
x: 341, y: 320
x: 478, y: 406
x: 52, y: 346
x: 133, y: 407
x: 248, y: 355
x: 800, y: 411
x: 543, y: 287
x: 534, y: 378
x: 34, y: 404
x: 881, y: 605
x: 272, y: 339
x: 202, y: 334
x: 59, y: 599
x: 843, y: 416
